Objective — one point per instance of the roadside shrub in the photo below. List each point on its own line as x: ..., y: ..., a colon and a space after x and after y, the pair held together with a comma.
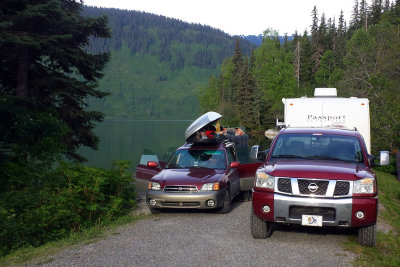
x: 63, y: 200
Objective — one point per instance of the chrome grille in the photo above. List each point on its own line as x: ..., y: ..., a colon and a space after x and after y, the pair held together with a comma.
x: 304, y: 187
x: 313, y: 187
x: 284, y: 185
x: 342, y: 188
x: 181, y: 188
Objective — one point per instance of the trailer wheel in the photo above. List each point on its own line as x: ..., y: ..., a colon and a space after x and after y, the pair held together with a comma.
x: 367, y: 236
x: 259, y: 228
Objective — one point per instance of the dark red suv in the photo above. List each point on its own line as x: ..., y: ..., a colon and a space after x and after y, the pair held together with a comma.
x: 316, y: 177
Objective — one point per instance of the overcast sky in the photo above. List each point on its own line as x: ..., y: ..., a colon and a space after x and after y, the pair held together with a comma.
x: 239, y: 17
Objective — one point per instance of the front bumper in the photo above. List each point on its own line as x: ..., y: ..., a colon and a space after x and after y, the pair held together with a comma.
x: 338, y: 212
x: 194, y: 200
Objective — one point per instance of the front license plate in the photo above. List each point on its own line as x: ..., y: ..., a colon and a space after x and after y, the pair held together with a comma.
x: 311, y: 220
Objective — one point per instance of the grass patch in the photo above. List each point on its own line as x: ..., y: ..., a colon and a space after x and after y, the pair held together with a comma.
x: 387, y: 250
x: 42, y: 254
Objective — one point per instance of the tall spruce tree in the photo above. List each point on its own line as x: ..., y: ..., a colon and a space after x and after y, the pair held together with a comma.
x: 376, y: 11
x: 238, y: 62
x: 46, y: 77
x: 363, y: 14
x: 316, y: 47
x: 355, y: 18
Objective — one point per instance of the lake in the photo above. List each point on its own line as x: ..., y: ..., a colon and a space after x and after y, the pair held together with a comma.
x: 129, y: 139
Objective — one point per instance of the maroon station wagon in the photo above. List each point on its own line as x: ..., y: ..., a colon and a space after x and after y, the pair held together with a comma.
x: 201, y: 174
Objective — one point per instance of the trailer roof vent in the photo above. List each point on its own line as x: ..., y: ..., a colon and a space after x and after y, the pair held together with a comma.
x: 325, y: 92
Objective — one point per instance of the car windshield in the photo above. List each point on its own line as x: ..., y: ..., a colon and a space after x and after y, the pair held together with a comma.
x: 197, y: 158
x: 318, y: 146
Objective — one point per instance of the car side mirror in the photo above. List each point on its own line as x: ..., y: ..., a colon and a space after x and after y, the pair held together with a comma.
x: 235, y: 164
x: 371, y: 160
x: 152, y: 164
x: 384, y: 158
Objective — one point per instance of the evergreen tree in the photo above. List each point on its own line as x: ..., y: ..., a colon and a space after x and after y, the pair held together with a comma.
x: 46, y: 77
x: 306, y: 77
x: 340, y: 47
x: 355, y: 18
x: 238, y: 63
x: 323, y: 33
x: 316, y: 47
x: 386, y: 6
x: 376, y: 12
x: 363, y: 14
x: 246, y: 103
x: 297, y: 64
x: 371, y: 70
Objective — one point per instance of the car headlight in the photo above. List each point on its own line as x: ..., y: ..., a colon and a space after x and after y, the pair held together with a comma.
x: 264, y: 180
x: 364, y: 186
x: 210, y: 187
x: 154, y: 186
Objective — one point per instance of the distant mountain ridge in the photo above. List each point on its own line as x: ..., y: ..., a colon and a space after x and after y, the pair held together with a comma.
x: 257, y: 39
x: 158, y: 64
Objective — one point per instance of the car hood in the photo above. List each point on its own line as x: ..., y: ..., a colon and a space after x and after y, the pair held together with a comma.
x: 317, y: 169
x: 191, y: 176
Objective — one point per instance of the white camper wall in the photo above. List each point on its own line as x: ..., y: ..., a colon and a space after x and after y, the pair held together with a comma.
x: 329, y: 112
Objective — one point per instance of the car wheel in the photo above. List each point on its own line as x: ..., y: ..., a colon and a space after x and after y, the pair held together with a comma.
x: 155, y: 211
x: 226, y: 206
x: 367, y: 236
x: 259, y: 228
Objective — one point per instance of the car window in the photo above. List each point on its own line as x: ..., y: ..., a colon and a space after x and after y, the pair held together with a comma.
x: 197, y: 158
x: 231, y: 157
x: 318, y: 146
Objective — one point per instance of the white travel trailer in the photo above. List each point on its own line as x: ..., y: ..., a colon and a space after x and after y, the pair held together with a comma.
x: 326, y: 110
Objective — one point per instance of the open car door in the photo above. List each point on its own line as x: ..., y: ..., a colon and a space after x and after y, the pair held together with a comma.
x: 145, y: 171
x: 247, y: 172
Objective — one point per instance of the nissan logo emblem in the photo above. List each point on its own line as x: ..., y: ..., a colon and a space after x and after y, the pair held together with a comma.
x: 180, y: 188
x: 313, y: 187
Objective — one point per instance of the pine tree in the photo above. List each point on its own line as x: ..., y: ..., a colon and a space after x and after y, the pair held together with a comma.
x: 363, y: 14
x: 340, y: 47
x: 305, y: 61
x: 316, y: 47
x: 376, y: 12
x: 355, y: 17
x: 323, y: 33
x: 46, y: 77
x: 297, y: 63
x: 246, y: 105
x: 238, y: 62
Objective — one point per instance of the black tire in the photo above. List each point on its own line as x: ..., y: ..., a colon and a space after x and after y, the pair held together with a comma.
x: 155, y: 211
x: 367, y: 236
x: 259, y: 228
x: 226, y: 206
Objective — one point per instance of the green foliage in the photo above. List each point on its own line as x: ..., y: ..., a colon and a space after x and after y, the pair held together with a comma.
x: 30, y: 135
x: 360, y: 62
x: 387, y: 249
x: 64, y: 200
x: 44, y: 66
x: 371, y: 64
x: 158, y: 64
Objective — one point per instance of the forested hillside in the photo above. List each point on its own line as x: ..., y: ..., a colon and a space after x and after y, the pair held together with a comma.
x: 157, y: 64
x: 360, y: 58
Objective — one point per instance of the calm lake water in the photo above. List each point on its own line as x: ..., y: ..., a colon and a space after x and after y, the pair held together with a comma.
x: 129, y: 139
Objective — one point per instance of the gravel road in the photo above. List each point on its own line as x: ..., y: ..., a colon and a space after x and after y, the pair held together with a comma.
x: 192, y: 238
